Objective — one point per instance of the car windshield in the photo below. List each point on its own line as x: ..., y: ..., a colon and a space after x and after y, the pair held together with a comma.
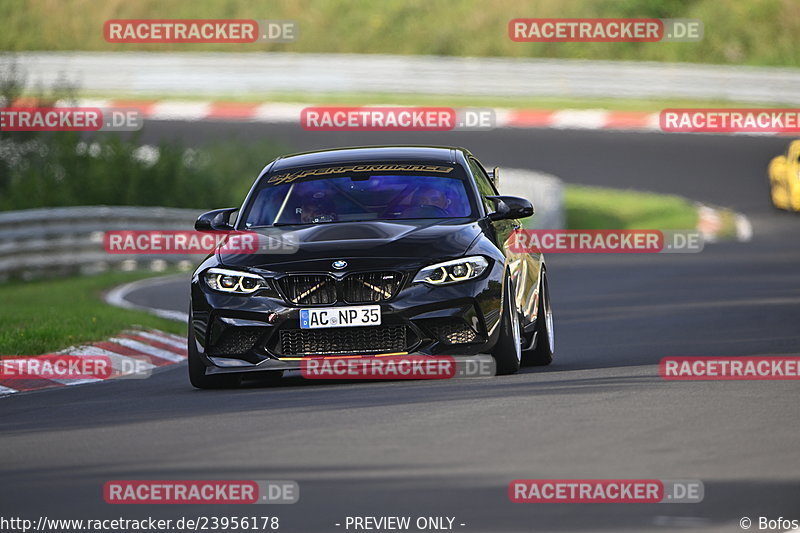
x: 358, y: 197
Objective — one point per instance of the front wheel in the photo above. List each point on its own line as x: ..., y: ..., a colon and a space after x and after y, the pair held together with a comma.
x: 507, y: 352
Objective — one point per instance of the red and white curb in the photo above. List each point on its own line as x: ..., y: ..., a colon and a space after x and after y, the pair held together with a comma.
x: 290, y: 113
x: 711, y: 223
x: 157, y: 347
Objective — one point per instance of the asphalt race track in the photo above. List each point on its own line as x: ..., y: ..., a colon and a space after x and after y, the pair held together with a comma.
x: 451, y: 448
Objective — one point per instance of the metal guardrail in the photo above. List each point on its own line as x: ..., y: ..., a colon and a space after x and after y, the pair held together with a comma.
x: 69, y: 240
x: 207, y: 74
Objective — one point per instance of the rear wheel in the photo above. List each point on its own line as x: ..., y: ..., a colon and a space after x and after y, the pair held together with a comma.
x: 197, y: 372
x: 507, y: 352
x: 542, y: 353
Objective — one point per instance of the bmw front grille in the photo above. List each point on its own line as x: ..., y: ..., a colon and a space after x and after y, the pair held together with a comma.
x: 323, y: 289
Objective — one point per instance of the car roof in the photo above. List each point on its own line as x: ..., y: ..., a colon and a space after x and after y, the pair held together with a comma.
x: 441, y: 154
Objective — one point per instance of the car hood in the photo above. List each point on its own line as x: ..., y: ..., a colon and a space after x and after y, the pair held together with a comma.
x: 369, y: 244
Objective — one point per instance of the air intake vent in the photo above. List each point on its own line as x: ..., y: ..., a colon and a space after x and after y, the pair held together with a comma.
x: 339, y: 341
x: 236, y: 341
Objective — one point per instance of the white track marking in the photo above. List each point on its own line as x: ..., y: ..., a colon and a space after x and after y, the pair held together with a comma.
x: 579, y: 118
x: 181, y: 345
x: 148, y: 350
x: 6, y: 390
x: 177, y: 110
x: 279, y: 112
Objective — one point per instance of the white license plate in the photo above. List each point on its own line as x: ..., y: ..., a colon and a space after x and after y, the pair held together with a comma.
x: 340, y: 317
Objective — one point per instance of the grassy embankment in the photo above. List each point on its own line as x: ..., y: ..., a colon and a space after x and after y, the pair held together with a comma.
x: 753, y: 32
x: 47, y: 315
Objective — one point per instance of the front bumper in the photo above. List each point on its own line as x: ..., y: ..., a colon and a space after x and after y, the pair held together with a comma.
x: 242, y: 334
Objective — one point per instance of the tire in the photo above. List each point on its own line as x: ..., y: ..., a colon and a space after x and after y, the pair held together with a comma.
x: 542, y: 353
x: 507, y: 352
x: 197, y: 372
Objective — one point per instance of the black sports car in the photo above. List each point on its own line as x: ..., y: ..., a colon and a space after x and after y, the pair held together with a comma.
x: 382, y: 250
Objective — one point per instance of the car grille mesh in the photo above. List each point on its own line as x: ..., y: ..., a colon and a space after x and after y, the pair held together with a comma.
x: 236, y: 341
x: 321, y: 289
x: 337, y: 341
x: 309, y: 289
x: 452, y: 331
x: 370, y: 286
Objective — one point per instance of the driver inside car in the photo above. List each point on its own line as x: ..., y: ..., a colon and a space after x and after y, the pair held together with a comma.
x: 428, y: 202
x: 317, y: 210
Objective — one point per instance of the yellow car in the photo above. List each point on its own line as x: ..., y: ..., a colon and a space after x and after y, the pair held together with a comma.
x: 784, y: 178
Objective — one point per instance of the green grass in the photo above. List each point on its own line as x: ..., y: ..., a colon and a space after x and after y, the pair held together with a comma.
x: 41, y: 170
x: 599, y: 208
x: 752, y: 32
x: 358, y: 99
x: 47, y: 315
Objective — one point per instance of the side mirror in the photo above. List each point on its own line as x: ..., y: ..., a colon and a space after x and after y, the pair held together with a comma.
x: 509, y: 207
x: 494, y: 177
x: 216, y: 220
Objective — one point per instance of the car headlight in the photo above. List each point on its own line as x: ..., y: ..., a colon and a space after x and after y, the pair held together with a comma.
x: 452, y: 271
x: 234, y: 281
